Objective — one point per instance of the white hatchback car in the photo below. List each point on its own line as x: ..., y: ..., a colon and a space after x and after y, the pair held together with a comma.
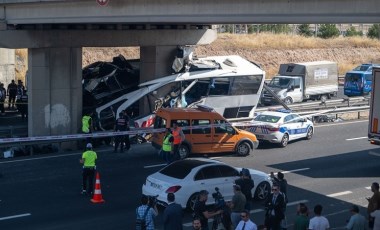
x: 281, y: 127
x: 185, y: 178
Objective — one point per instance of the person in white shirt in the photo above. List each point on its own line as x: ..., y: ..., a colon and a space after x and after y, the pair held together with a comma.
x: 318, y: 222
x: 376, y: 215
x: 245, y: 223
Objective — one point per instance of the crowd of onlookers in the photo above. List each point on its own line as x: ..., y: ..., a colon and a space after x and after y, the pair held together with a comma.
x: 275, y: 207
x: 17, y: 98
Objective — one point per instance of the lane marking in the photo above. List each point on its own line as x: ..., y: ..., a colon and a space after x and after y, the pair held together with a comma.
x: 341, y: 123
x: 292, y: 171
x: 15, y: 216
x: 339, y: 194
x: 369, y: 187
x: 356, y: 138
x: 374, y: 153
x: 252, y: 211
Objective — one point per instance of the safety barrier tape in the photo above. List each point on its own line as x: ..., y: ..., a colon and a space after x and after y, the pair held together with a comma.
x: 102, y: 134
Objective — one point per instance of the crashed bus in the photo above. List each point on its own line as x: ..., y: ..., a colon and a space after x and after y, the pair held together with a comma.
x: 229, y: 84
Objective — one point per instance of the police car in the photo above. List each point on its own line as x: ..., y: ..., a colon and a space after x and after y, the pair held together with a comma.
x: 281, y: 126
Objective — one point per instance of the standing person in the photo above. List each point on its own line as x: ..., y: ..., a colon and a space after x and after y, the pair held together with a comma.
x: 148, y: 210
x: 246, y: 223
x: 20, y: 89
x: 179, y: 137
x: 373, y: 203
x: 282, y: 182
x: 173, y: 214
x: 246, y: 184
x: 168, y: 146
x: 120, y: 126
x: 3, y: 94
x: 357, y: 221
x: 275, y: 209
x: 87, y: 125
x: 302, y: 220
x: 201, y: 212
x: 318, y: 222
x: 376, y: 216
x: 88, y: 160
x: 197, y: 224
x: 12, y: 92
x: 237, y: 205
x: 22, y: 105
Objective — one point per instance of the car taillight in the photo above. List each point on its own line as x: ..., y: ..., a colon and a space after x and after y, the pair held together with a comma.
x: 273, y: 129
x: 173, y: 189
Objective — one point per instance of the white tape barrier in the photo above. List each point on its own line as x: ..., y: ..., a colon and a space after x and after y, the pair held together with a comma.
x: 97, y: 135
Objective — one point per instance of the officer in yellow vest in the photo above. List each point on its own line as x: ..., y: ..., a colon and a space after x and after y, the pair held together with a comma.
x: 167, y: 150
x: 87, y: 125
x: 88, y: 160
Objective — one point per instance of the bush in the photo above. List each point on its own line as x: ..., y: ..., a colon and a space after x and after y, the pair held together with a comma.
x: 373, y: 31
x: 351, y: 32
x: 328, y: 31
x: 304, y: 30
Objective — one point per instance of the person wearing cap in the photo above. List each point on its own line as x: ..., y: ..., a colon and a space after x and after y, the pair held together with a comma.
x: 88, y: 160
x: 246, y: 184
x: 357, y: 221
x: 237, y: 205
x: 200, y: 209
x: 173, y: 214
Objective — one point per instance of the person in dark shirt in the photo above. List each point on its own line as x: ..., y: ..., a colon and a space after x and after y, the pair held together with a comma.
x: 246, y: 184
x: 120, y: 126
x: 12, y: 92
x: 201, y: 212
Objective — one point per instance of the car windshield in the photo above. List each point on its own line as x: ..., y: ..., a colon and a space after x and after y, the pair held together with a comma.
x: 362, y: 68
x: 278, y: 82
x: 267, y: 118
x: 180, y: 169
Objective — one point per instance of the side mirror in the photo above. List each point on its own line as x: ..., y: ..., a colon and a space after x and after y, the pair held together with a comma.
x: 291, y: 88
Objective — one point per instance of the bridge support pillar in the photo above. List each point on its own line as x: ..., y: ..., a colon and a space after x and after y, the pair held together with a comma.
x: 54, y: 91
x: 156, y: 62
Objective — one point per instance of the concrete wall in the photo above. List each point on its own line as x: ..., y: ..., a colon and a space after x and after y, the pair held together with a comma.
x: 7, y: 66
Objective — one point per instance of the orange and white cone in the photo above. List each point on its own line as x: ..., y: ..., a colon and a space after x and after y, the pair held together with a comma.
x: 97, y: 198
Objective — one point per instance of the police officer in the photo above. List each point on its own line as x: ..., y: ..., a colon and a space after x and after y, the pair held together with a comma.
x: 168, y: 147
x: 87, y: 125
x: 179, y: 137
x: 120, y: 126
x: 88, y: 160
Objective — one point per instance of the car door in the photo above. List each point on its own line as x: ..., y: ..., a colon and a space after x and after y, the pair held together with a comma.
x: 224, y: 136
x: 228, y: 175
x: 301, y: 126
x: 290, y: 126
x: 296, y: 92
x: 201, y: 137
x: 207, y: 178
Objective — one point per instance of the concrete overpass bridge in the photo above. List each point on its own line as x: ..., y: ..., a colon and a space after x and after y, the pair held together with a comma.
x: 55, y: 31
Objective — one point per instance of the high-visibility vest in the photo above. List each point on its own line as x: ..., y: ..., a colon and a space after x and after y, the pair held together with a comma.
x: 177, y: 136
x: 166, y: 145
x: 86, y: 124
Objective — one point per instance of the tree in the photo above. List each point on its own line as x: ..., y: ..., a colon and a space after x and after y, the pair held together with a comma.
x: 328, y: 31
x: 275, y: 28
x: 350, y: 32
x: 373, y: 31
x: 304, y: 30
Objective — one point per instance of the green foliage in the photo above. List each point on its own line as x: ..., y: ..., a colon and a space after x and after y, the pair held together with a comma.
x: 304, y: 30
x: 328, y: 31
x: 373, y: 31
x: 351, y: 32
x: 273, y: 28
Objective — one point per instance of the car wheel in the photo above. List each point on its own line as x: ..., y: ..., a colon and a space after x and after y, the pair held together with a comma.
x: 243, y: 149
x: 183, y: 151
x: 310, y: 133
x: 262, y: 191
x: 288, y: 100
x: 191, y: 202
x: 284, y: 140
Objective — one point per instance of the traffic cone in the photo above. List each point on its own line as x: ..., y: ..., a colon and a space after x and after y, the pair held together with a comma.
x: 97, y: 198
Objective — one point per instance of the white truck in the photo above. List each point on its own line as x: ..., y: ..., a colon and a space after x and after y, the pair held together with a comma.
x: 299, y: 82
x: 374, y: 113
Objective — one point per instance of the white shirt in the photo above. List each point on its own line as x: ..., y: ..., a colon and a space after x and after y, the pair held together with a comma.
x: 249, y: 225
x: 319, y: 223
x: 376, y: 214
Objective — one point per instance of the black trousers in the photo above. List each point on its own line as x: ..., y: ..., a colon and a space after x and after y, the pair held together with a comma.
x: 120, y: 140
x: 88, y: 175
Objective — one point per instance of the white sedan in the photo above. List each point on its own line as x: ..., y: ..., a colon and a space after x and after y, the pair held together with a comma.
x: 280, y: 127
x: 185, y: 178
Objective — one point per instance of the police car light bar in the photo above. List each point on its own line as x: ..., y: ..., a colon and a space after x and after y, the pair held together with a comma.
x: 281, y: 110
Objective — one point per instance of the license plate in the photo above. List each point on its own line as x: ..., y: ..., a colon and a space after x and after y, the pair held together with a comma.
x: 154, y: 185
